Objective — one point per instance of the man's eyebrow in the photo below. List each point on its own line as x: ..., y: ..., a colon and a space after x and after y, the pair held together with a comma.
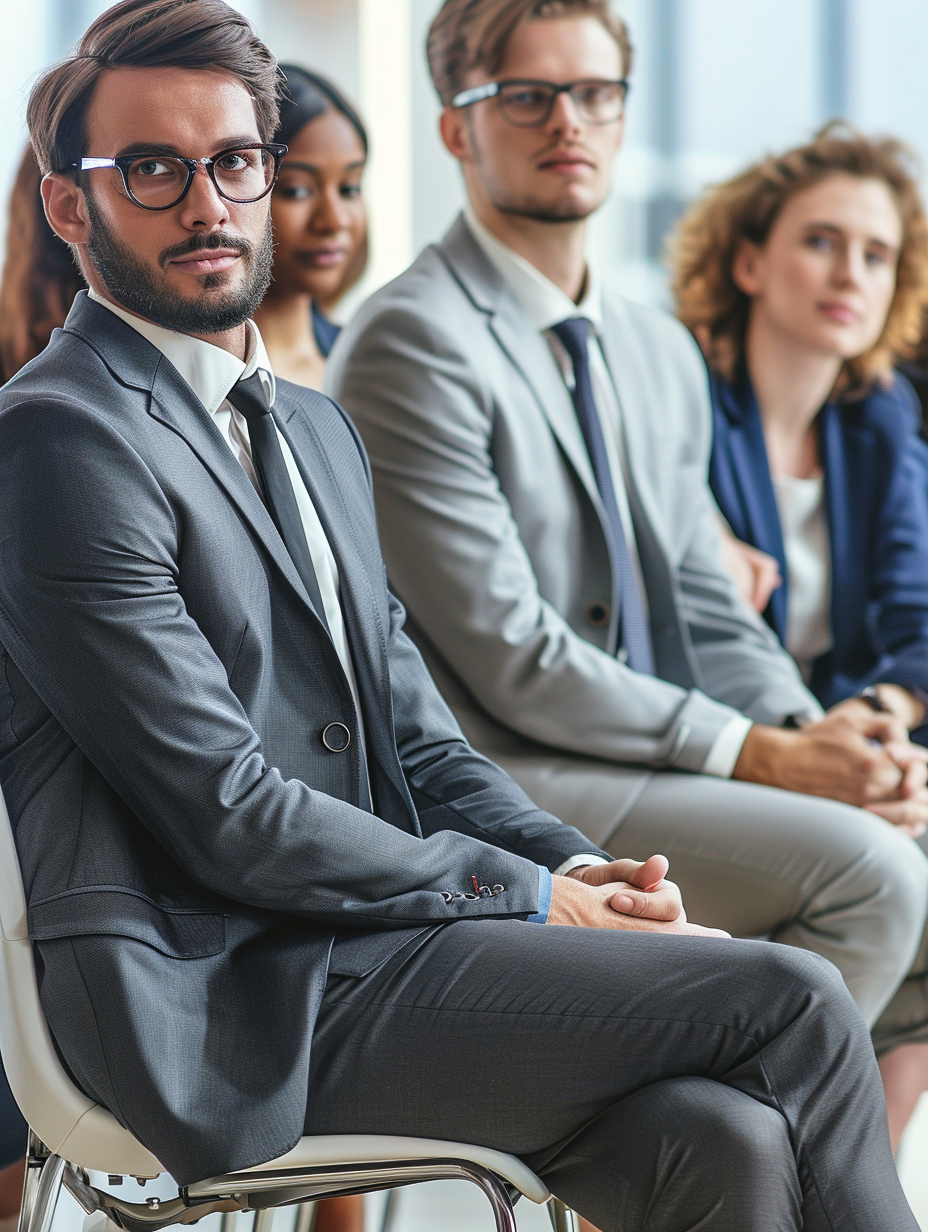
x: 171, y: 151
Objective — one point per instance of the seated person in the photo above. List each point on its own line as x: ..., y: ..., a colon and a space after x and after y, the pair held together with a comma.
x: 320, y: 224
x: 272, y: 890
x: 540, y: 447
x: 804, y: 279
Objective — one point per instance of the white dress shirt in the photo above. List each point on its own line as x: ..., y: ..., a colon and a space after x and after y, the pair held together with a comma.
x: 211, y: 372
x: 801, y: 505
x: 545, y: 305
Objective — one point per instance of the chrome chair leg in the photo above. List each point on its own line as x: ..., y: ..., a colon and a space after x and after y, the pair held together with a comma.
x: 390, y: 1207
x: 40, y: 1193
x: 305, y: 1217
x: 498, y: 1197
x: 563, y: 1219
x: 263, y: 1219
x: 227, y: 1221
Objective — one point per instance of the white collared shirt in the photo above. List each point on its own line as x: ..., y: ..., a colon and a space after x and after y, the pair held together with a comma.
x: 546, y: 305
x: 211, y: 372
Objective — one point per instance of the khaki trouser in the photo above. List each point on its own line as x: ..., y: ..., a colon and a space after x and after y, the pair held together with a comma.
x: 760, y: 862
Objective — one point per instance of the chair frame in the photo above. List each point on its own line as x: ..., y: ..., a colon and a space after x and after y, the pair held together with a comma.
x: 87, y: 1136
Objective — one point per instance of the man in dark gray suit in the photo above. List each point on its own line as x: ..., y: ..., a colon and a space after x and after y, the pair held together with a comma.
x: 260, y: 857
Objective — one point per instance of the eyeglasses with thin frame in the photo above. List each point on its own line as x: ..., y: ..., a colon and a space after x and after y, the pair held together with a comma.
x: 242, y: 175
x: 528, y: 104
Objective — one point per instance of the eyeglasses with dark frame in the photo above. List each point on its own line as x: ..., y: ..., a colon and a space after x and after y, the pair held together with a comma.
x: 528, y: 104
x: 241, y: 174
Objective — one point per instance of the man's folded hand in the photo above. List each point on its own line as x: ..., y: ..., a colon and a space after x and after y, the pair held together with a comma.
x: 624, y: 894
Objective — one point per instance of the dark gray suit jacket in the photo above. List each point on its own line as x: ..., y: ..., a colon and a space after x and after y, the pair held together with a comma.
x: 190, y: 847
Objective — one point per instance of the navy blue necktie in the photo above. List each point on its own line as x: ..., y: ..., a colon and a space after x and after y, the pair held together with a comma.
x: 249, y: 397
x: 634, y: 634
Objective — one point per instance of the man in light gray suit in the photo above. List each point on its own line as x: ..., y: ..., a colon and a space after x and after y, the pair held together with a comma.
x: 539, y: 447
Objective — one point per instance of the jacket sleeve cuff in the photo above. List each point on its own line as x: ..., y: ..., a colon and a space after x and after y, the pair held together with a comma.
x: 544, y: 897
x: 727, y: 748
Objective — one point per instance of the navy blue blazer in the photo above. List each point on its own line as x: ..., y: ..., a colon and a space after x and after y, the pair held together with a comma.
x: 324, y: 331
x: 877, y: 509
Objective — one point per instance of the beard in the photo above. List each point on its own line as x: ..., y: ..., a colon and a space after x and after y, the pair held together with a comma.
x: 144, y: 290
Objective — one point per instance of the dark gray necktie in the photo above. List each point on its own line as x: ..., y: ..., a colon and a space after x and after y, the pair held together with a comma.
x: 250, y: 398
x: 634, y: 633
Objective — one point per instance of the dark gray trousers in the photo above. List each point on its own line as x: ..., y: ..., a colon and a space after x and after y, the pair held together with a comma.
x: 655, y: 1082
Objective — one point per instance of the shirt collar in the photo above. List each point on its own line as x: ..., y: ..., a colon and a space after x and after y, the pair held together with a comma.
x: 208, y: 370
x: 544, y: 303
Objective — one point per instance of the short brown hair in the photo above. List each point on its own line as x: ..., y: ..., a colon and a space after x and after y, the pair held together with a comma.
x: 707, y: 239
x: 197, y: 34
x: 471, y: 34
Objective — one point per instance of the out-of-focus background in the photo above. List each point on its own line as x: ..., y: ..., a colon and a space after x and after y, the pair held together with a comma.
x: 715, y: 83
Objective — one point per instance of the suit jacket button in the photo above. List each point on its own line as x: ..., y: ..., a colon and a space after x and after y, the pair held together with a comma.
x: 336, y: 737
x: 598, y: 614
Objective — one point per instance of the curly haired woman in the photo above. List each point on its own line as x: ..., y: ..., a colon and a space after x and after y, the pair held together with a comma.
x: 804, y: 280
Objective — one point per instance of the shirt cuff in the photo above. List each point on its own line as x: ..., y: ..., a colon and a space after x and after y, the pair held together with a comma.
x: 580, y: 861
x: 727, y: 748
x: 544, y: 897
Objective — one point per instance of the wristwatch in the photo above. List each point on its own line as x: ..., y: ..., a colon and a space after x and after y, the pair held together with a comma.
x: 870, y: 697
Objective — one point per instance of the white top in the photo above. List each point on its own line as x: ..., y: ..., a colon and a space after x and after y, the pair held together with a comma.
x: 806, y: 545
x: 545, y: 305
x: 211, y: 372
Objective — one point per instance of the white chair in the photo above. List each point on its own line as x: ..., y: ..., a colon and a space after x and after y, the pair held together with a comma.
x: 70, y: 1134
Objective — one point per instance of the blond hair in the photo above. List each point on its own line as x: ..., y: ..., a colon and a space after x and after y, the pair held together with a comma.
x: 706, y: 241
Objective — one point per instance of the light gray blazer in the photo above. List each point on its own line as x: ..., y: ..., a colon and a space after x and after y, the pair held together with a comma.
x: 493, y: 529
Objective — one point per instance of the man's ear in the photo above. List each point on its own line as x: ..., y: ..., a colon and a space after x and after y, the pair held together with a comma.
x: 65, y: 208
x: 455, y: 133
x: 747, y: 268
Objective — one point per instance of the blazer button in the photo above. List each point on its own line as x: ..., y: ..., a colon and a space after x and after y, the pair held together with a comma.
x: 598, y: 614
x: 336, y: 737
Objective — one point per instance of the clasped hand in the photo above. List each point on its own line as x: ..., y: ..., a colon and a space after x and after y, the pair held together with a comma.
x: 624, y: 894
x: 896, y: 790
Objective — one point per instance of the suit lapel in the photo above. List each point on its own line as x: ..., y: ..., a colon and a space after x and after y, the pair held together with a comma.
x: 524, y: 347
x: 136, y: 362
x: 840, y: 469
x: 366, y: 635
x: 758, y: 499
x: 174, y: 404
x: 633, y: 408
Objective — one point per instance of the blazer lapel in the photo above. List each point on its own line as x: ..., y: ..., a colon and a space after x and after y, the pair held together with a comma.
x: 839, y: 470
x: 366, y: 634
x: 751, y: 470
x: 525, y: 348
x: 633, y: 407
x: 174, y: 404
x: 134, y: 361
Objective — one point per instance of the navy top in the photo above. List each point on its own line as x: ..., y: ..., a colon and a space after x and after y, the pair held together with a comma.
x: 325, y: 331
x: 13, y: 1129
x: 876, y: 502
